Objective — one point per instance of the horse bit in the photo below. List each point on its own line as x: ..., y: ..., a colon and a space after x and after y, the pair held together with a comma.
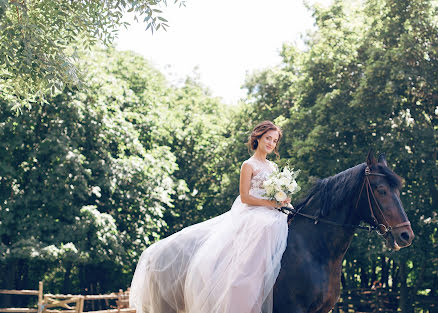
x: 381, y: 228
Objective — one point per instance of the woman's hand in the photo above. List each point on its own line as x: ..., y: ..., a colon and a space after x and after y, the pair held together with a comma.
x: 277, y: 204
x: 273, y: 203
x: 285, y: 202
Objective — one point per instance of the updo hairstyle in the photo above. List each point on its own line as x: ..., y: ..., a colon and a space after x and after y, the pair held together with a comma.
x: 259, y: 131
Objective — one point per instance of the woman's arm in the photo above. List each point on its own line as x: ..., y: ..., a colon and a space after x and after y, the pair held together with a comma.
x: 245, y: 182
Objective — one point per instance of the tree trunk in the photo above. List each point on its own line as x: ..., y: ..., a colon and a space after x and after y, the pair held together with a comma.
x: 11, y: 267
x: 24, y: 281
x: 385, y: 272
x: 66, y: 286
x: 432, y: 182
x: 404, y: 303
x: 353, y: 270
x: 92, y: 293
x: 343, y: 280
x: 373, y: 279
x: 363, y: 276
x: 394, y: 275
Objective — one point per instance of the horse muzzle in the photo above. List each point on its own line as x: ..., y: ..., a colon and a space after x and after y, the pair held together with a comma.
x: 399, y: 237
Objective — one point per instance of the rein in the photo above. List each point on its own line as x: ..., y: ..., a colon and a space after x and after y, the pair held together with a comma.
x: 381, y: 228
x: 293, y: 212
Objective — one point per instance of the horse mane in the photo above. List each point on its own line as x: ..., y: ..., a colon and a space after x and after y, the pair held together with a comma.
x: 334, y: 191
x: 344, y: 187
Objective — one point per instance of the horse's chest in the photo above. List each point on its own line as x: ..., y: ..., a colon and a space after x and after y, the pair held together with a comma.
x: 311, y: 288
x: 327, y: 288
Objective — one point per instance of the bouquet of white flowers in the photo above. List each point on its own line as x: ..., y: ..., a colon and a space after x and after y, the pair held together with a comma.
x: 281, y: 185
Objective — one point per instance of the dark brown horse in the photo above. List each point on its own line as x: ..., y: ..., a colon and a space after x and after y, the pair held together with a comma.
x: 309, y: 280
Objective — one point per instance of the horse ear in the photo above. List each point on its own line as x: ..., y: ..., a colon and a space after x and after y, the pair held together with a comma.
x: 382, y: 159
x: 370, y: 158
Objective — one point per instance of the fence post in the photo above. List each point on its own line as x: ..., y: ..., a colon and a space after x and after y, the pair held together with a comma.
x: 81, y: 304
x: 40, y: 297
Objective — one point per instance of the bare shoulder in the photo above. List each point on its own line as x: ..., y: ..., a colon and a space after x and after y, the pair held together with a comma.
x: 246, y: 167
x: 246, y: 173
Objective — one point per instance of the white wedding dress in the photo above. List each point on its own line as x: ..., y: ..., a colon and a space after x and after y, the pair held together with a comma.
x: 227, y: 264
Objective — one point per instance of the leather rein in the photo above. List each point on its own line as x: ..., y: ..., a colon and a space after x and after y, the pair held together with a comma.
x: 382, y: 228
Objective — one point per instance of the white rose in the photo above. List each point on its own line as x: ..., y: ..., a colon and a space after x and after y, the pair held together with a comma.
x: 284, y: 181
x: 280, y: 196
x: 292, y: 186
x: 271, y: 190
x: 266, y: 184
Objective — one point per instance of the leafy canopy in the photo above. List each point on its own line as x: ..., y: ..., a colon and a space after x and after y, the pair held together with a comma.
x: 38, y: 39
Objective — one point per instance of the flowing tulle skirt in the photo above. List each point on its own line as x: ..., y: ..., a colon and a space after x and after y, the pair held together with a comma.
x: 227, y: 264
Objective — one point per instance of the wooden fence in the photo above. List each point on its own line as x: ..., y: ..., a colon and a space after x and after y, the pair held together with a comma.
x: 382, y: 300
x: 379, y: 300
x: 50, y: 303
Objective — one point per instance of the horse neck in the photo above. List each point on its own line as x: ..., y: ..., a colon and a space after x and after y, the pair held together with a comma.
x: 322, y: 238
x: 338, y: 238
x: 333, y: 238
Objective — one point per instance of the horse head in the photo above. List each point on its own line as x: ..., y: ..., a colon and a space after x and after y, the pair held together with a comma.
x: 380, y: 205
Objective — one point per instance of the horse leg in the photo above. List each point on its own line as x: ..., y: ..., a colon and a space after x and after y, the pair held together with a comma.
x: 292, y: 310
x: 289, y: 308
x: 327, y: 307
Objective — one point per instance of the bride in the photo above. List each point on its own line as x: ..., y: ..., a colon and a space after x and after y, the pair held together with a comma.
x: 227, y: 264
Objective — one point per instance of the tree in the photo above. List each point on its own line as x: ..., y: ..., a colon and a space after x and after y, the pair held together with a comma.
x: 91, y: 178
x: 79, y: 191
x: 38, y: 39
x: 197, y: 124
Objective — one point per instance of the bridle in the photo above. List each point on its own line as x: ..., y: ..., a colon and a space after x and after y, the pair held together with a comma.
x: 382, y: 228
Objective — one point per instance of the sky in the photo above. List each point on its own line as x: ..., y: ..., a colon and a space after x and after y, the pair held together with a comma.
x: 219, y: 41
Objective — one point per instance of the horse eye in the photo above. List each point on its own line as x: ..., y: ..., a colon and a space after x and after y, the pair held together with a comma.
x: 381, y: 191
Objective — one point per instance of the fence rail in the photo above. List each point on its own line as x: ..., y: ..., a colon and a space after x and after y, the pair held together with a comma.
x: 18, y: 310
x: 382, y: 300
x: 20, y: 292
x: 59, y: 303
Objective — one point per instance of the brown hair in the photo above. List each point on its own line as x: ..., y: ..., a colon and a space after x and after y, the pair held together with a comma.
x: 259, y: 131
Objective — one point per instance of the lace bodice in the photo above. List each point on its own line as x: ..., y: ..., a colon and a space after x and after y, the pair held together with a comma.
x: 261, y: 172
